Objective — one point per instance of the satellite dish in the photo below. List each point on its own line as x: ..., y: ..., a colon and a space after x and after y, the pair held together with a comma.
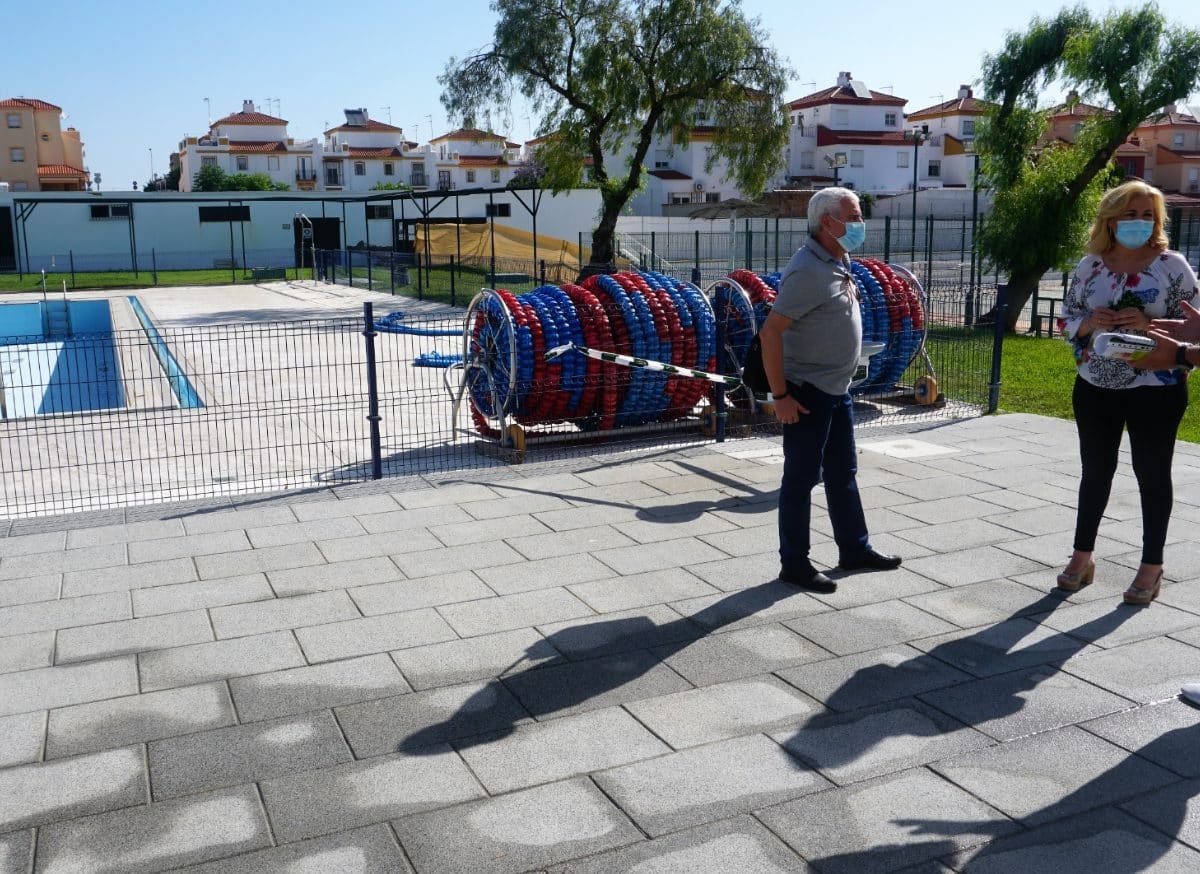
x: 860, y: 89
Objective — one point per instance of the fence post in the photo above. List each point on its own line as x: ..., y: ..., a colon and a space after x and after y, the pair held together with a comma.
x: 928, y: 248
x: 749, y: 246
x: 542, y: 271
x: 997, y: 346
x: 653, y: 249
x: 372, y: 391
x: 453, y: 288
x: 777, y: 244
x: 153, y: 265
x: 370, y: 286
x: 1176, y: 221
x: 887, y: 239
x: 1034, y: 305
x: 696, y: 258
x: 71, y: 257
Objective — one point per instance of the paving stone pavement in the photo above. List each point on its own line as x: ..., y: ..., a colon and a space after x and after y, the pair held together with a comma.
x: 587, y: 666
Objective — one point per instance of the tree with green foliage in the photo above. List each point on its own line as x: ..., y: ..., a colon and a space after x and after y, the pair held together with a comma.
x: 607, y: 76
x: 210, y: 178
x: 213, y: 178
x: 1046, y: 195
x: 391, y: 186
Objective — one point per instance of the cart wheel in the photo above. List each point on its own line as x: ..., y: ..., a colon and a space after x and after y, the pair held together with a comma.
x: 926, y: 390
x: 514, y: 436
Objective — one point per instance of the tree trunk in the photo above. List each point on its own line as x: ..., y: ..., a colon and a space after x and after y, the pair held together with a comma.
x: 603, y: 258
x: 1021, y: 286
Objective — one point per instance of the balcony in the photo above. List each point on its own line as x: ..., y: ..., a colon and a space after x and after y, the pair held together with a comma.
x: 306, y: 181
x: 418, y: 180
x: 333, y: 179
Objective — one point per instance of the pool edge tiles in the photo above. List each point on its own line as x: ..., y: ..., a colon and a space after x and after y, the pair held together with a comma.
x: 185, y: 393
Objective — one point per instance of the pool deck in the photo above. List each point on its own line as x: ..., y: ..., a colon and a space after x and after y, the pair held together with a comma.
x: 588, y: 666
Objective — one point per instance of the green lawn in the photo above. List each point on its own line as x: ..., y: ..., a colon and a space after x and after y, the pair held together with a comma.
x: 11, y: 282
x: 1036, y: 376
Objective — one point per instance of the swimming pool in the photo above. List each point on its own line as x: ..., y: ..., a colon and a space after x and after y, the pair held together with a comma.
x: 58, y: 357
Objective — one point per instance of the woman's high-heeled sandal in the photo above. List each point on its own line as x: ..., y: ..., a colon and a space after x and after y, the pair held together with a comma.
x: 1073, y: 582
x: 1140, y: 597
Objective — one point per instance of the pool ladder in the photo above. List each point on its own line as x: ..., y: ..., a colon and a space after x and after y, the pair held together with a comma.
x: 56, y: 317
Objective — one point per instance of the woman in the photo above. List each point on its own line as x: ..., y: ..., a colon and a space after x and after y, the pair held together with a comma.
x: 1128, y: 278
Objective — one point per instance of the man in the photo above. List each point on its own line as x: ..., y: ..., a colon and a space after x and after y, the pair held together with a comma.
x: 1174, y: 346
x: 811, y: 342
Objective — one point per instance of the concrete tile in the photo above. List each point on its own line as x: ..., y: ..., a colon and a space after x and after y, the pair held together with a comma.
x: 1104, y: 840
x: 126, y: 577
x: 375, y: 634
x: 869, y: 627
x: 1025, y: 701
x: 697, y: 716
x: 200, y: 595
x: 758, y: 605
x: 40, y: 563
x: 732, y: 655
x: 737, y: 844
x: 451, y: 560
x: 657, y: 555
x: 66, y: 613
x: 612, y: 633
x: 253, y: 561
x: 1173, y: 811
x: 547, y: 751
x: 1006, y: 646
x: 371, y: 850
x: 521, y: 831
x: 934, y: 488
x: 1032, y: 781
x: 240, y: 620
x: 476, y: 658
x: 301, y: 532
x: 638, y: 590
x: 23, y: 652
x: 1054, y: 549
x: 851, y: 747
x: 513, y: 611
x: 99, y: 725
x: 187, y: 545
x: 203, y: 662
x: 163, y: 835
x: 312, y: 510
x: 43, y: 688
x: 244, y: 753
x: 985, y: 603
x: 444, y: 495
x: 241, y: 517
x: 515, y: 505
x: 360, y: 793
x: 416, y: 722
x: 577, y: 687
x: 375, y: 545
x: 46, y: 587
x: 1039, y: 520
x: 31, y: 544
x: 423, y: 517
x: 298, y: 690
x: 46, y: 792
x: 673, y: 527
x: 546, y: 573
x: 1165, y: 733
x: 707, y: 783
x: 329, y: 577
x: 941, y: 510
x: 132, y: 635
x: 573, y: 542
x: 590, y: 515
x: 855, y: 681
x: 958, y: 535
x: 743, y: 542
x: 21, y: 739
x: 406, y: 595
x: 1110, y: 625
x: 965, y: 566
x: 865, y: 828
x: 1150, y: 670
x: 487, y: 530
x: 16, y: 852
x: 128, y: 532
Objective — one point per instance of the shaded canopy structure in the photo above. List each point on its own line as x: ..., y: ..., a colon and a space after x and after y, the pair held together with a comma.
x: 736, y: 208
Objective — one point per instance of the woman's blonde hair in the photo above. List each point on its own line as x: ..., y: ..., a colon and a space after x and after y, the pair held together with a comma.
x: 1115, y: 202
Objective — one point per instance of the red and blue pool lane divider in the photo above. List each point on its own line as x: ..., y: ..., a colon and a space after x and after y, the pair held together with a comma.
x: 645, y: 319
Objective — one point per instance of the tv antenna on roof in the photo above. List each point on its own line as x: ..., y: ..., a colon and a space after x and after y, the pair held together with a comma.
x: 388, y: 110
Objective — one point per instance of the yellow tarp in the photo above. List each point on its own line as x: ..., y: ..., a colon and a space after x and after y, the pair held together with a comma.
x: 474, y: 242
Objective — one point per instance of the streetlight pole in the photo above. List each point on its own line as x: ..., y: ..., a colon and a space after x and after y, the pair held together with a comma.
x: 918, y: 135
x: 151, y: 151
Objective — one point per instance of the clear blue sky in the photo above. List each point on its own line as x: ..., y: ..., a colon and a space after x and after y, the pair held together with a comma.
x: 132, y: 75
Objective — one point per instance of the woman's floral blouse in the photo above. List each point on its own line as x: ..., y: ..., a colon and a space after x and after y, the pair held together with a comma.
x: 1159, y: 289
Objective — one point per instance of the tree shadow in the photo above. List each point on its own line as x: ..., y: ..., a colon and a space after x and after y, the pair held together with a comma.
x: 604, y: 656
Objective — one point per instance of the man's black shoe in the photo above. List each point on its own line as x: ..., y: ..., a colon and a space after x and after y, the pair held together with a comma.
x: 811, y: 579
x: 870, y: 560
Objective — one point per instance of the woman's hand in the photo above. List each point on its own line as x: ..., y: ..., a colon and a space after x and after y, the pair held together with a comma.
x: 1102, y: 318
x: 1132, y: 319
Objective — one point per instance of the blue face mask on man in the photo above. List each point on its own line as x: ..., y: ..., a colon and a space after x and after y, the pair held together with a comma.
x: 1134, y: 233
x: 854, y: 235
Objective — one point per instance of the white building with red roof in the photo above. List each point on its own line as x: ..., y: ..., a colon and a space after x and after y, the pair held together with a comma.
x: 948, y: 154
x: 1170, y: 143
x: 363, y: 153
x: 251, y: 142
x: 850, y: 129
x: 36, y: 154
x: 472, y: 158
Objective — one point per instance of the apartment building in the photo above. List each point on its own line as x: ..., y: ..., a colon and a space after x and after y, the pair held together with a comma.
x: 948, y: 153
x: 251, y: 142
x: 1171, y: 145
x: 471, y: 158
x: 363, y: 153
x: 36, y: 154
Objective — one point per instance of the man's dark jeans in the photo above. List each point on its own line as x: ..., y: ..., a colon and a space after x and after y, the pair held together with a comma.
x: 821, y: 442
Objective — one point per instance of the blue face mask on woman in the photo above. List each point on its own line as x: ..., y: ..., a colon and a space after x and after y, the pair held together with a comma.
x: 1134, y: 233
x: 853, y: 236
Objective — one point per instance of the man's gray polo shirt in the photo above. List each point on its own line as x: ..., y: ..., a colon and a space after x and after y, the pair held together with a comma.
x: 823, y: 342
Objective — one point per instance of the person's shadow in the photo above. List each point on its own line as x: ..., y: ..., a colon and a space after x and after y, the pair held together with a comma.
x: 604, y: 656
x: 990, y: 651
x: 1104, y: 840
